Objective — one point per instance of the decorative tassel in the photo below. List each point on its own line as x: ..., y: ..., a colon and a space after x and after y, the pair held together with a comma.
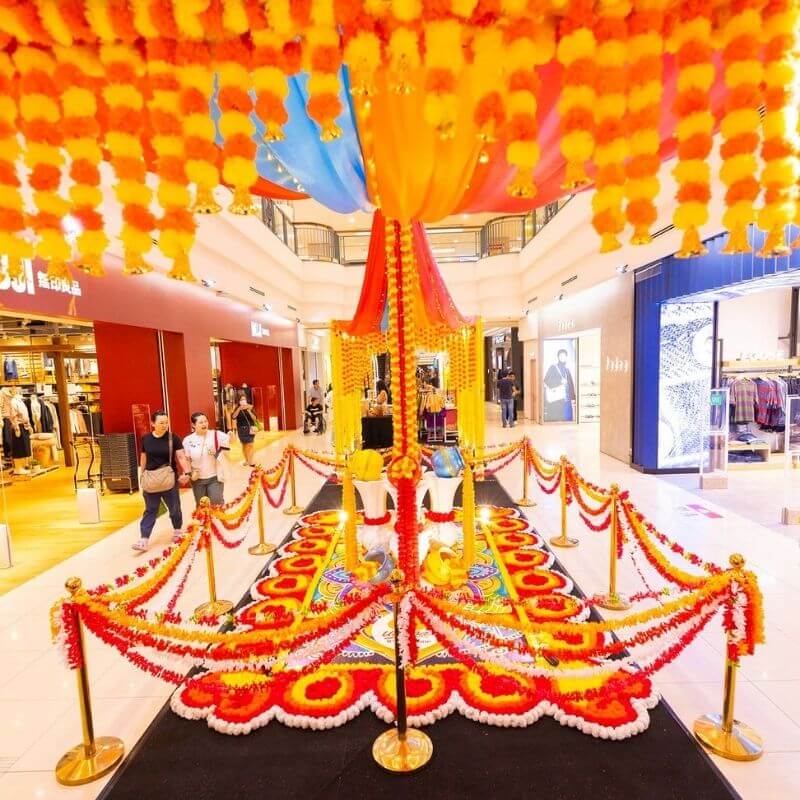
x: 242, y: 203
x: 181, y: 269
x: 691, y: 246
x: 737, y: 241
x: 204, y: 202
x: 135, y: 264
x: 775, y: 244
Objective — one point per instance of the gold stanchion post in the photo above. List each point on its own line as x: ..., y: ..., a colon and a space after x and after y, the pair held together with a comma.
x: 94, y: 757
x: 213, y: 607
x: 525, y: 501
x: 263, y: 548
x: 613, y: 601
x: 401, y: 749
x: 563, y: 540
x: 293, y: 508
x: 721, y: 733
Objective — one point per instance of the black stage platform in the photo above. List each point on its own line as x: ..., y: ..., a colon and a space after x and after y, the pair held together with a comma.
x: 185, y: 760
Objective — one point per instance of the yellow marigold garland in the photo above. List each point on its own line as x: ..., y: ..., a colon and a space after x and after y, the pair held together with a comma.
x: 645, y: 88
x: 323, y: 60
x: 404, y: 58
x: 741, y: 122
x: 40, y: 118
x: 779, y: 150
x: 12, y: 219
x: 611, y: 148
x: 695, y: 123
x: 125, y: 102
x: 576, y: 52
x: 444, y: 61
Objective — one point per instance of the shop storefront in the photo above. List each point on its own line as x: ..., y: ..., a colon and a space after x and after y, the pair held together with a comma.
x: 717, y: 322
x: 578, y: 352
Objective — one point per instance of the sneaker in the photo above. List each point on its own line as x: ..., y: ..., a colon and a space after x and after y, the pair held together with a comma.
x: 513, y: 424
x: 177, y: 537
x: 141, y: 545
x: 505, y: 424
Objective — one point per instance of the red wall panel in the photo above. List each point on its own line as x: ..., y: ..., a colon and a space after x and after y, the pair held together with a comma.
x: 289, y: 394
x: 197, y: 347
x: 253, y: 364
x: 175, y: 368
x: 128, y: 369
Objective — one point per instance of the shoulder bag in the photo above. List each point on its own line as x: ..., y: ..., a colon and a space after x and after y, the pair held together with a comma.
x: 161, y: 479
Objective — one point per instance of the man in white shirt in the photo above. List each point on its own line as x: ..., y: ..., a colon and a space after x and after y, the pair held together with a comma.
x: 206, y: 451
x: 315, y: 391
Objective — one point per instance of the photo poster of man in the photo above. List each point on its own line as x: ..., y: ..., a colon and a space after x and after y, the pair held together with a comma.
x: 560, y: 357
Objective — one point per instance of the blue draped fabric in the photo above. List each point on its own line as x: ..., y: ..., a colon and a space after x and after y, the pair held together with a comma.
x: 330, y: 172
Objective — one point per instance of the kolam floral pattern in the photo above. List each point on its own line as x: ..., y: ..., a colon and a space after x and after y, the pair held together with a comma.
x: 511, y: 561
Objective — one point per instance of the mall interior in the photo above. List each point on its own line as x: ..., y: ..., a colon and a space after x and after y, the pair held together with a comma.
x: 483, y: 320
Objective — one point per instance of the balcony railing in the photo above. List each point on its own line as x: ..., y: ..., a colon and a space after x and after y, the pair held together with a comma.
x: 314, y: 242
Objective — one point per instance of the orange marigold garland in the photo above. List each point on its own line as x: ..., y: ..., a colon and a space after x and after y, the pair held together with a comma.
x: 531, y: 45
x: 124, y: 124
x: 486, y: 76
x: 176, y: 226
x: 576, y: 52
x: 235, y: 125
x: 695, y: 122
x: 12, y: 218
x: 270, y: 83
x: 444, y: 60
x: 323, y: 59
x: 40, y: 124
x: 611, y: 148
x: 740, y: 124
x: 78, y: 77
x: 404, y: 58
x: 779, y: 151
x: 196, y: 79
x: 645, y: 88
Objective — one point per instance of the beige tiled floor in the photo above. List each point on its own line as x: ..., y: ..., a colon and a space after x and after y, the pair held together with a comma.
x: 38, y: 710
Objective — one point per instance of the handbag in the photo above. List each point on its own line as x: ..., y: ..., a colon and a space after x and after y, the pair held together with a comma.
x: 254, y: 423
x: 161, y: 479
x: 555, y: 394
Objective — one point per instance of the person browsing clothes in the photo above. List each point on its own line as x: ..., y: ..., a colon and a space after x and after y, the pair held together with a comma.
x: 206, y: 451
x: 161, y: 461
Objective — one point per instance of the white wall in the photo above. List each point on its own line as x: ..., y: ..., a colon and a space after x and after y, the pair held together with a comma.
x: 752, y: 325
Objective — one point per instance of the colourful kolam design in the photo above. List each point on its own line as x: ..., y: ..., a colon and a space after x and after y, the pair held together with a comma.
x: 308, y: 576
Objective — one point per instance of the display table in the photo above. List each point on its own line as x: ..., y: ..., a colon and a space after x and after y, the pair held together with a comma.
x: 376, y: 432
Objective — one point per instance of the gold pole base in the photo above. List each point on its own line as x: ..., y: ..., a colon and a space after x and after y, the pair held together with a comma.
x: 741, y: 744
x: 292, y: 510
x: 525, y: 503
x: 402, y: 754
x: 564, y: 541
x: 214, y: 608
x: 261, y: 549
x: 75, y: 768
x: 612, y: 602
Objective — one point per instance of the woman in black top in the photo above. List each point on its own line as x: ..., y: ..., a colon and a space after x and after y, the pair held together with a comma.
x: 245, y: 429
x: 156, y: 451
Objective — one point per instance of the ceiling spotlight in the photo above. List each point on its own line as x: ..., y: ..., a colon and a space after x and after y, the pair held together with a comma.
x: 351, y: 220
x: 623, y: 269
x: 559, y: 297
x: 266, y: 307
x: 209, y: 283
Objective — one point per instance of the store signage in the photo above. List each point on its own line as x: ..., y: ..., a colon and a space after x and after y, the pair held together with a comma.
x: 617, y: 364
x: 257, y: 330
x: 27, y: 284
x: 565, y: 325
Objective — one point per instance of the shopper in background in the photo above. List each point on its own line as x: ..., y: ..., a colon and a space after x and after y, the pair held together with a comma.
x: 206, y: 451
x: 315, y: 391
x: 162, y: 459
x: 246, y: 429
x: 506, y: 387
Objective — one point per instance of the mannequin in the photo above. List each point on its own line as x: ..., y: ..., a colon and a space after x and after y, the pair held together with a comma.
x: 21, y: 428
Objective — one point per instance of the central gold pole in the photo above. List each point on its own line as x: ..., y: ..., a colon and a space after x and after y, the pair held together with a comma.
x: 563, y: 540
x: 613, y: 601
x: 722, y: 734
x: 525, y: 501
x: 263, y: 548
x: 93, y: 758
x: 293, y: 508
x: 401, y: 749
x: 213, y: 607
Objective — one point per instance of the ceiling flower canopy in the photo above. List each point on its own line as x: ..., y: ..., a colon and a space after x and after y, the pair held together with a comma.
x: 421, y: 108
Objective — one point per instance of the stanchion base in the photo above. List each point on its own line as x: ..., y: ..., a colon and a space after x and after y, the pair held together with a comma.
x: 612, y: 602
x: 564, y: 541
x: 292, y: 510
x: 75, y: 768
x: 214, y: 608
x: 261, y: 549
x: 406, y: 754
x: 741, y: 744
x: 525, y: 503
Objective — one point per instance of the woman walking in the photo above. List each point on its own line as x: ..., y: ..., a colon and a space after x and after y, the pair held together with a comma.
x: 206, y: 450
x: 246, y: 429
x: 162, y: 459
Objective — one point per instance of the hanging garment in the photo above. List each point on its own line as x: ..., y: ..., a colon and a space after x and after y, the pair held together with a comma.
x: 743, y: 400
x: 35, y: 409
x: 55, y: 422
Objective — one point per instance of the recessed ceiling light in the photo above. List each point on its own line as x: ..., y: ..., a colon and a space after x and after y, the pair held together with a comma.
x: 209, y: 283
x: 266, y: 307
x: 351, y: 220
x: 623, y: 269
